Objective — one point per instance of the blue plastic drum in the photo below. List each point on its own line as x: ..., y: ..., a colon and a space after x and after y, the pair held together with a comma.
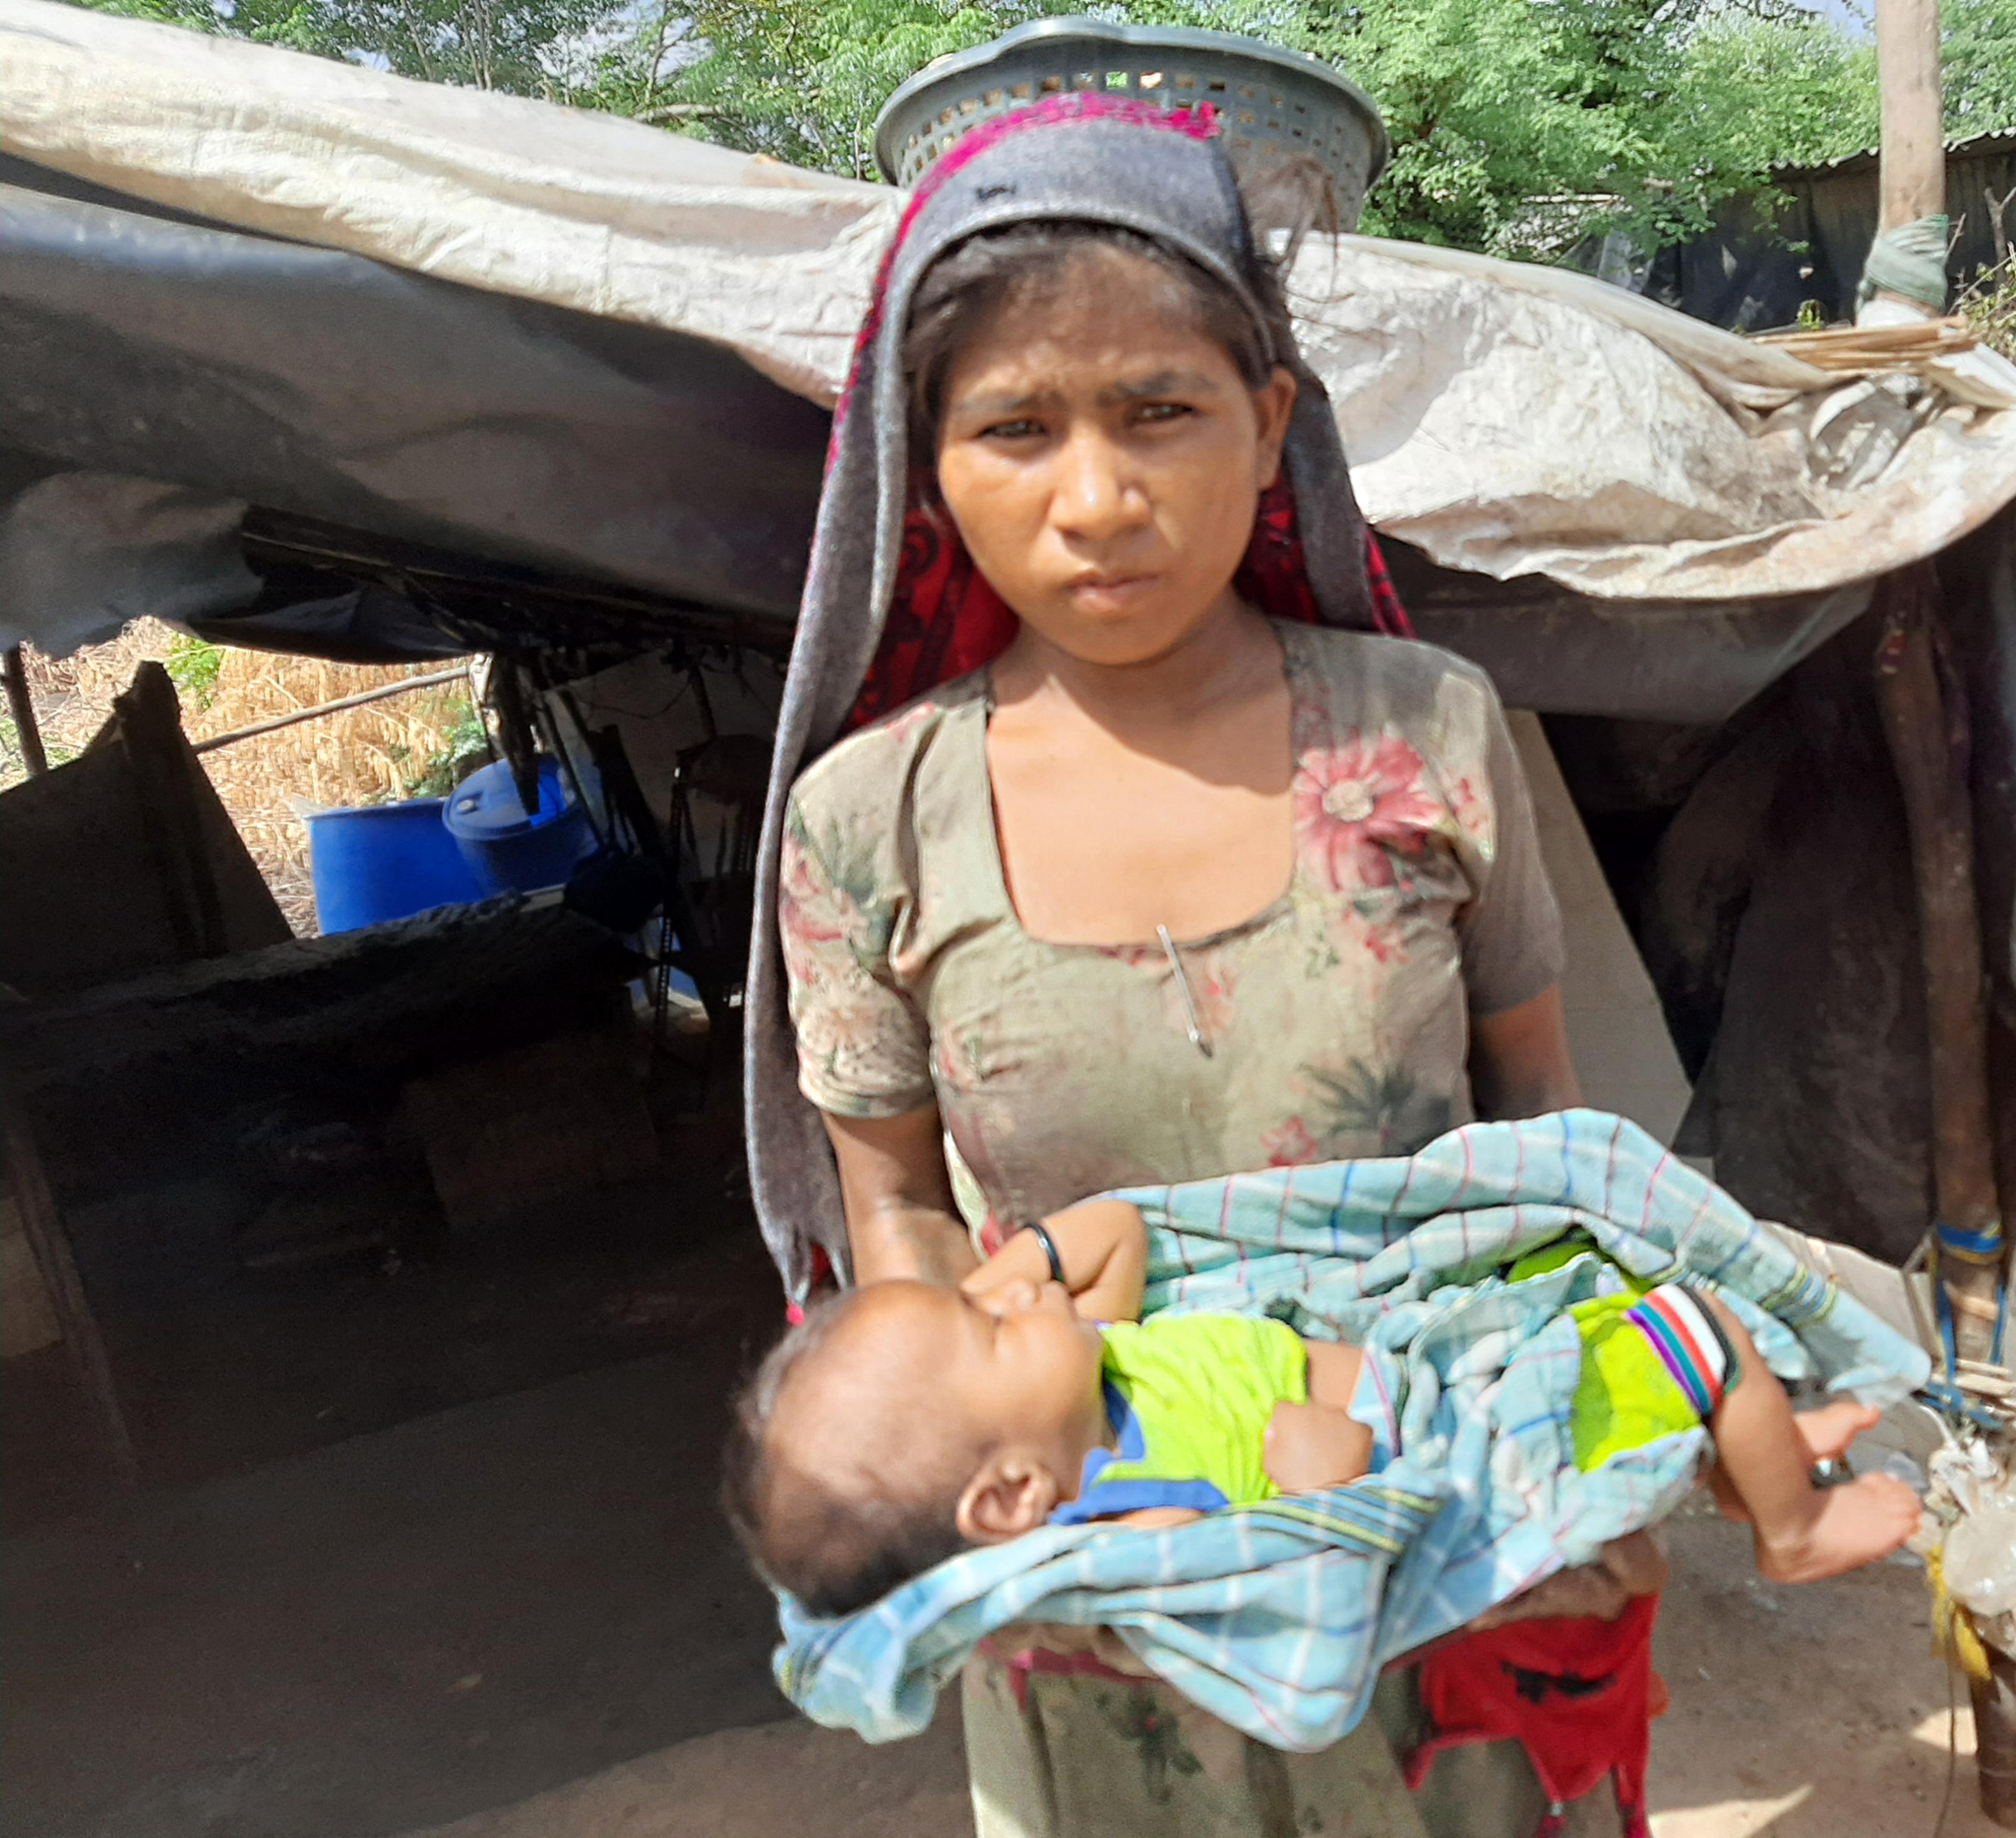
x: 506, y: 850
x: 384, y: 861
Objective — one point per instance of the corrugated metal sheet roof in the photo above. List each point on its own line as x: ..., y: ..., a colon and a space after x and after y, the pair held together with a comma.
x: 1997, y: 141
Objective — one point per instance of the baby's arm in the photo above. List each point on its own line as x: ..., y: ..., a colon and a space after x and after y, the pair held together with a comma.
x: 1319, y: 1445
x: 1803, y: 1533
x: 1102, y: 1245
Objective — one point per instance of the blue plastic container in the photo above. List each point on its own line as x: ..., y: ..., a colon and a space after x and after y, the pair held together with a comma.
x: 384, y: 861
x: 507, y: 851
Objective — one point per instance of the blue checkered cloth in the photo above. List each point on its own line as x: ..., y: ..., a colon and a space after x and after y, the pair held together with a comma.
x: 1278, y: 1618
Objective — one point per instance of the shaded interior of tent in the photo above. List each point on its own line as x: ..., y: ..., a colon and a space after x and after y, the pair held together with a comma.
x: 283, y: 1190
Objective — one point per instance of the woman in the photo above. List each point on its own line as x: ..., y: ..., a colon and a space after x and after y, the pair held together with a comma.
x: 1160, y: 863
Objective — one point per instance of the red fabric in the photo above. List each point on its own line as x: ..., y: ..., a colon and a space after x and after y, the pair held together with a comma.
x: 1275, y: 576
x: 1578, y: 1695
x: 944, y: 619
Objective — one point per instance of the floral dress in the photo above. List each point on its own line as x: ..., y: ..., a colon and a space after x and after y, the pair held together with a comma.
x: 1337, y: 1022
x: 1332, y: 1023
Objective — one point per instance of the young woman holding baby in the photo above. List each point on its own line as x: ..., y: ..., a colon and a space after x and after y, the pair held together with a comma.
x: 1115, y: 841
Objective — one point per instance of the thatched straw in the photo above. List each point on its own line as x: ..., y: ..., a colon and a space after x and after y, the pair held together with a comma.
x: 360, y: 756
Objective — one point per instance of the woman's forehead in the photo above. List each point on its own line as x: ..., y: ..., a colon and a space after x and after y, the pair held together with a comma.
x: 1094, y: 275
x: 1128, y: 340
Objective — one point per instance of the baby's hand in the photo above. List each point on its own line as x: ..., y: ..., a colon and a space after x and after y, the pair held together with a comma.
x: 1103, y: 1246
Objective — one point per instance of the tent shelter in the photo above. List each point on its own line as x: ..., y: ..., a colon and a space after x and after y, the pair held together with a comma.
x: 305, y: 356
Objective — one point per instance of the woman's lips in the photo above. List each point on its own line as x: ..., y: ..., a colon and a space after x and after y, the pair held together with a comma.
x: 1108, y: 590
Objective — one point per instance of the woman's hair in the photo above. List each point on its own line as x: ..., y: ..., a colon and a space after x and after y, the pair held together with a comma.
x: 972, y: 281
x: 836, y: 1548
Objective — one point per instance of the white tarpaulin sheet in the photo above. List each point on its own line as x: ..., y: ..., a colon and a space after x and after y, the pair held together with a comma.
x: 1505, y: 418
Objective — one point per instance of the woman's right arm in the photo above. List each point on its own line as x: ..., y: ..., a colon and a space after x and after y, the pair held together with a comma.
x: 901, y: 1217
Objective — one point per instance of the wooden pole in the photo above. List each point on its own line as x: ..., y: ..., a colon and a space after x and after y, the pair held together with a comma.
x: 1925, y: 723
x: 1913, y: 177
x: 1912, y: 183
x: 1995, y: 1735
x: 21, y: 706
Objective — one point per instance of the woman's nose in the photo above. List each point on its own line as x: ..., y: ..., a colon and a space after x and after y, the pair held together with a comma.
x: 1097, y: 496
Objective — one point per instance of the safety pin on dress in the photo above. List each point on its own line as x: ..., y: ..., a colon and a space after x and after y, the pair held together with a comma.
x: 1190, y: 1018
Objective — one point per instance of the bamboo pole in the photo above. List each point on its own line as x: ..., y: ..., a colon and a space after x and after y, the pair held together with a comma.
x: 1925, y: 722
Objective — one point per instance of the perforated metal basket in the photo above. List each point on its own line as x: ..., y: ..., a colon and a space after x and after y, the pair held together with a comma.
x: 1268, y: 99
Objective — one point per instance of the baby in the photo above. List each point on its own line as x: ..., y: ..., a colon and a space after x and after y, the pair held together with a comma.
x: 906, y: 1422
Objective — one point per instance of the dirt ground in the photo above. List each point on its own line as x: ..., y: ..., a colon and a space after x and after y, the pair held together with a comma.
x: 1812, y: 1713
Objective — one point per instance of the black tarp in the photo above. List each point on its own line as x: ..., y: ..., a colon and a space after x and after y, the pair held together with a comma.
x: 148, y: 350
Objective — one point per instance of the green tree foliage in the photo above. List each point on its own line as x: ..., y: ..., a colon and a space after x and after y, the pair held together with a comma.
x: 1978, y: 45
x: 1644, y: 113
x: 1640, y: 113
x: 528, y: 47
x: 294, y: 23
x: 802, y: 79
x: 193, y: 667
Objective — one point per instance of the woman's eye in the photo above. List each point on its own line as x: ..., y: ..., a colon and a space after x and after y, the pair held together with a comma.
x: 1011, y: 431
x: 1161, y: 411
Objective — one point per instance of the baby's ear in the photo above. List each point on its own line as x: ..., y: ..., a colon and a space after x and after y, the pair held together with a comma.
x: 1011, y: 1495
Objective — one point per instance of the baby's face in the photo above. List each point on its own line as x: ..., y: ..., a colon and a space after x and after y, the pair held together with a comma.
x: 1024, y: 1368
x: 1023, y: 1371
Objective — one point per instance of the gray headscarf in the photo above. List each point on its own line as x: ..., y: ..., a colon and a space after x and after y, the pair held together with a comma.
x: 1084, y: 157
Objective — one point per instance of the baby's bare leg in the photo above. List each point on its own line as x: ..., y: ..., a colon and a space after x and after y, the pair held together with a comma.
x: 1319, y: 1445
x: 1827, y: 1432
x: 1803, y: 1533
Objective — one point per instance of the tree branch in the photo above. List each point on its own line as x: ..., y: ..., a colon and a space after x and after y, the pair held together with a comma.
x: 666, y: 112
